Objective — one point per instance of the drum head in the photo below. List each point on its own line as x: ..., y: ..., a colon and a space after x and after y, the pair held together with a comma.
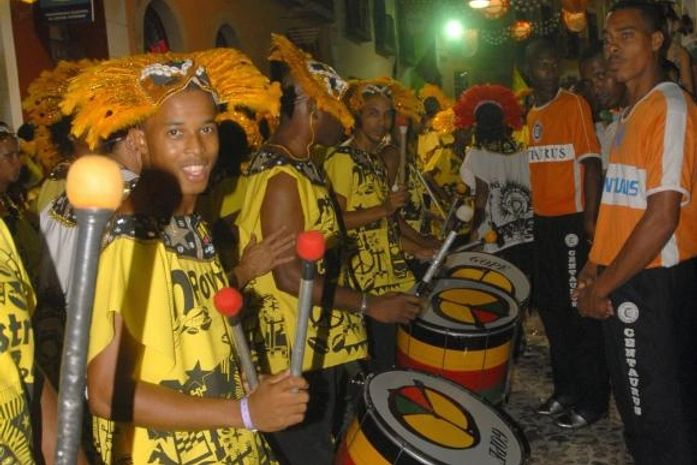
x: 439, y: 422
x: 490, y: 269
x: 462, y: 306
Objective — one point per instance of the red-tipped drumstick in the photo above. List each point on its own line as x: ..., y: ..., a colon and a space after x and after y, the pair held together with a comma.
x: 95, y: 189
x: 463, y: 214
x: 229, y: 302
x: 310, y: 248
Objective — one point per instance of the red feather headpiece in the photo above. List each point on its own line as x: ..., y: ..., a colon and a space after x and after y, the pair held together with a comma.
x: 476, y: 96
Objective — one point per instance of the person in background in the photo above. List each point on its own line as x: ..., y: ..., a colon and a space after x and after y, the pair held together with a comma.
x: 608, y: 97
x: 565, y: 176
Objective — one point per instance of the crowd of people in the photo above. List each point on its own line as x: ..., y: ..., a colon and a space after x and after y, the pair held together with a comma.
x: 588, y: 191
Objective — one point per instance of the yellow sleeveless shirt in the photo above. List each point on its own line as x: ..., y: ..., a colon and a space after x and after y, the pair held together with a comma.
x: 334, y: 337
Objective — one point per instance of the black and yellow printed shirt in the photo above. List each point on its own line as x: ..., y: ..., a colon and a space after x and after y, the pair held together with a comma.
x: 415, y: 212
x: 378, y: 265
x: 161, y: 277
x: 16, y: 355
x: 334, y: 337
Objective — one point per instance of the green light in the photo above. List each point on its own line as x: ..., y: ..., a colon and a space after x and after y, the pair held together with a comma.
x: 454, y: 29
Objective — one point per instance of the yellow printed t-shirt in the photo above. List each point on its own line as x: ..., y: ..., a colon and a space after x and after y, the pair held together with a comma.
x: 653, y: 151
x: 378, y: 265
x: 561, y: 136
x: 16, y: 355
x: 415, y: 212
x: 334, y: 337
x: 161, y: 278
x: 53, y: 186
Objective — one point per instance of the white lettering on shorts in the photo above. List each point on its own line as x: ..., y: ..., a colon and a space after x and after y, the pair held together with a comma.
x: 630, y: 359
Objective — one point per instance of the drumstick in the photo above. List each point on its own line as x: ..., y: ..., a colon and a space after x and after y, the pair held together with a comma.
x: 431, y: 194
x: 228, y: 301
x: 463, y: 214
x: 94, y: 188
x: 403, y: 125
x: 310, y: 248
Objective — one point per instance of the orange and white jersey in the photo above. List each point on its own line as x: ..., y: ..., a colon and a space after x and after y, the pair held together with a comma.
x: 561, y: 136
x: 654, y: 151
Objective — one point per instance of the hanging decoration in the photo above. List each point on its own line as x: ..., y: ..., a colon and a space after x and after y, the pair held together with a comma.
x: 496, y: 9
x: 574, y: 6
x: 521, y: 30
x: 527, y: 6
x: 575, y: 22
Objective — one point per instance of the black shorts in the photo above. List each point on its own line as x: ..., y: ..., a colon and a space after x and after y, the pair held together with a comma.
x: 560, y: 252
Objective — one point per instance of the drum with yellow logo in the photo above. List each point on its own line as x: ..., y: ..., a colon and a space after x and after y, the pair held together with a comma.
x: 466, y: 335
x: 412, y: 418
x: 490, y: 269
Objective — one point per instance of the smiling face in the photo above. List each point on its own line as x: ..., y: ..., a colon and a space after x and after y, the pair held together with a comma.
x: 630, y: 47
x: 181, y: 139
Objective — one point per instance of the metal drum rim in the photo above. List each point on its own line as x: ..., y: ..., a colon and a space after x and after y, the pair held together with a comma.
x: 513, y: 426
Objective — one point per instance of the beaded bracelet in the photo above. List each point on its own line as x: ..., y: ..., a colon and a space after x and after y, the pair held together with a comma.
x: 246, y: 416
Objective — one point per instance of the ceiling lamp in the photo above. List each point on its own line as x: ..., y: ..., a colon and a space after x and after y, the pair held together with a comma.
x: 496, y: 9
x: 521, y: 30
x: 575, y: 22
x: 478, y: 4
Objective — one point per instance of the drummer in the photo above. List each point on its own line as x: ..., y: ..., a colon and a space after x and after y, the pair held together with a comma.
x: 162, y: 377
x: 369, y: 209
x: 285, y: 189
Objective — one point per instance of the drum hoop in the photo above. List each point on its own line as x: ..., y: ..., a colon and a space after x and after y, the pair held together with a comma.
x: 513, y: 425
x: 477, y: 286
x: 519, y: 275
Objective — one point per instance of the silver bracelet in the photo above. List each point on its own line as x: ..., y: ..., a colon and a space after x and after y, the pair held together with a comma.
x: 364, y: 304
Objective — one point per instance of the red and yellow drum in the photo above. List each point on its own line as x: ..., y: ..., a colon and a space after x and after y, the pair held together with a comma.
x: 466, y: 335
x: 490, y: 269
x: 411, y: 418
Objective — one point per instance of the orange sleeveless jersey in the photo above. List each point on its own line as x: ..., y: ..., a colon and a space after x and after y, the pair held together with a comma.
x: 561, y: 135
x: 653, y: 151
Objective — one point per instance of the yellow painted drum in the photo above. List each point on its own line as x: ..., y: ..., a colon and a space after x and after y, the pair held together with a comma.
x: 466, y: 335
x: 490, y: 269
x: 412, y: 418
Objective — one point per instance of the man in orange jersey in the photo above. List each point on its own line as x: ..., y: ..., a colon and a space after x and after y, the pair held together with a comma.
x: 563, y: 155
x: 640, y: 278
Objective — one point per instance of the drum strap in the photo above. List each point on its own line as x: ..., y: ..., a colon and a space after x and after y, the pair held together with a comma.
x: 348, y: 246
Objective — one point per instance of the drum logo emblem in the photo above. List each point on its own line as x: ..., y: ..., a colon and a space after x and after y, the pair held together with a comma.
x: 628, y: 312
x: 434, y: 416
x: 470, y: 306
x: 571, y: 240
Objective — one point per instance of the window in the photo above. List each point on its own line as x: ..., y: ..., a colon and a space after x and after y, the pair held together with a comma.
x: 154, y: 34
x: 227, y: 37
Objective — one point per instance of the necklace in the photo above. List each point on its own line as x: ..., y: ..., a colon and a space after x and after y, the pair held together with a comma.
x: 287, y: 151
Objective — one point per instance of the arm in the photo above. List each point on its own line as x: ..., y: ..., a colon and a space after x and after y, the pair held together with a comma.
x: 357, y: 218
x: 282, y: 207
x: 413, y: 235
x: 592, y: 189
x: 685, y: 69
x: 114, y: 393
x: 390, y: 157
x: 480, y: 201
x: 646, y: 241
x: 259, y: 259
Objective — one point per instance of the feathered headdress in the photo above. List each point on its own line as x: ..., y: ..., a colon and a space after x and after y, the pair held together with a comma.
x: 432, y: 90
x: 403, y: 99
x: 474, y: 97
x: 444, y: 121
x: 120, y: 93
x: 45, y: 93
x: 318, y: 80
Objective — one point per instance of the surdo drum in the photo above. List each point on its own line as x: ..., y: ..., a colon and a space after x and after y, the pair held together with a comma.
x: 407, y: 417
x: 466, y: 335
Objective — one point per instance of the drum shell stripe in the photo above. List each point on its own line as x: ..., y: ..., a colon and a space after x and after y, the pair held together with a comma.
x: 357, y: 449
x: 489, y: 384
x: 457, y: 340
x: 489, y: 352
x: 375, y: 434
